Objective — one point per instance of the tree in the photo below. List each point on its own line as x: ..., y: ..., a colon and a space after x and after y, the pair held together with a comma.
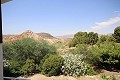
x: 116, y: 34
x: 79, y: 38
x: 84, y: 38
x: 93, y: 38
x: 21, y: 54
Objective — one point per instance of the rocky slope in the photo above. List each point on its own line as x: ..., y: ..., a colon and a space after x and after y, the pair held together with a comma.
x: 36, y: 36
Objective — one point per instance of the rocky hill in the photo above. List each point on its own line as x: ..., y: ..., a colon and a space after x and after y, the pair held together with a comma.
x: 26, y: 34
x: 36, y: 36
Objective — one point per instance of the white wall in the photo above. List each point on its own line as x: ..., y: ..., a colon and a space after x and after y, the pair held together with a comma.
x: 1, y: 62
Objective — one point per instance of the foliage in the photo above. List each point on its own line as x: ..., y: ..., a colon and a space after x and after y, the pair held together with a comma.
x: 117, y: 34
x: 104, y: 38
x: 82, y: 49
x: 75, y: 65
x: 92, y: 38
x: 84, y: 38
x: 21, y: 54
x: 111, y: 39
x: 28, y: 67
x: 52, y: 65
x: 107, y: 55
x: 27, y: 56
x: 104, y: 77
x: 110, y: 55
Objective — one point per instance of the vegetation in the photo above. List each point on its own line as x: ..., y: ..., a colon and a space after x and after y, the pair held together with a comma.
x: 106, y: 55
x: 52, y: 65
x: 90, y: 52
x: 74, y: 65
x: 117, y: 34
x: 24, y: 56
x: 104, y: 77
x: 105, y: 38
x: 84, y: 38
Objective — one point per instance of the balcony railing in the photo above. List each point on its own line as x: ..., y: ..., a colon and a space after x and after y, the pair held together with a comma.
x: 12, y: 78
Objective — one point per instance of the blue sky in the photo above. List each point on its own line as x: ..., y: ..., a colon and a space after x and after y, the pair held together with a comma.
x: 60, y: 17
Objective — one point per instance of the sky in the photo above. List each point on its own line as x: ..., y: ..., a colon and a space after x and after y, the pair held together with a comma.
x: 60, y: 17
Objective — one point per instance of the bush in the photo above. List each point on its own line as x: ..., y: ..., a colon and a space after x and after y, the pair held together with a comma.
x: 28, y: 67
x: 22, y: 54
x: 74, y: 65
x: 104, y: 77
x: 52, y: 65
x: 106, y: 55
x: 110, y: 55
x: 105, y: 39
x: 83, y: 49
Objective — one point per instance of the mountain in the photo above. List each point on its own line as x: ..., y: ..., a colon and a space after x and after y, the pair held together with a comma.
x: 26, y: 34
x: 45, y: 35
x: 66, y: 36
x: 36, y: 36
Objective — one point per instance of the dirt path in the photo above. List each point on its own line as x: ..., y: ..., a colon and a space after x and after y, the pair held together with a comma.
x: 62, y: 77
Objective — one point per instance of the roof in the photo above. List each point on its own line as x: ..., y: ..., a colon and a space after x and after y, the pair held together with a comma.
x: 4, y: 1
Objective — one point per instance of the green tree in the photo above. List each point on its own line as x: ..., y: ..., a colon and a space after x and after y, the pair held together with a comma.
x: 84, y: 38
x: 117, y: 34
x: 20, y: 53
x: 79, y: 38
x: 52, y: 65
x: 92, y: 38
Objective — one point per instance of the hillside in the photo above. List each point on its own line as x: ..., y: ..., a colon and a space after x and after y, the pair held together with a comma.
x: 26, y: 34
x: 36, y: 36
x: 45, y: 35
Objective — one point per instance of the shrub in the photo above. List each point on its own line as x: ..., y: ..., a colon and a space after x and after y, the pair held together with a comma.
x: 105, y: 39
x: 106, y: 55
x: 83, y: 49
x: 28, y: 67
x: 52, y: 65
x: 75, y: 65
x: 21, y: 54
x: 104, y: 77
x: 110, y: 55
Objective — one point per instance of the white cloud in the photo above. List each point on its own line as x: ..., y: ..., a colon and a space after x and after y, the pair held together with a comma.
x: 107, y: 23
x: 116, y: 11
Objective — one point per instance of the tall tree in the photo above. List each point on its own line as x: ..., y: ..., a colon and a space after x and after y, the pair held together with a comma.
x: 116, y: 34
x: 84, y: 38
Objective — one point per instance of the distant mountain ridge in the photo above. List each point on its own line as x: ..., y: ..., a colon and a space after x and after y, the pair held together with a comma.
x: 66, y: 36
x: 45, y: 35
